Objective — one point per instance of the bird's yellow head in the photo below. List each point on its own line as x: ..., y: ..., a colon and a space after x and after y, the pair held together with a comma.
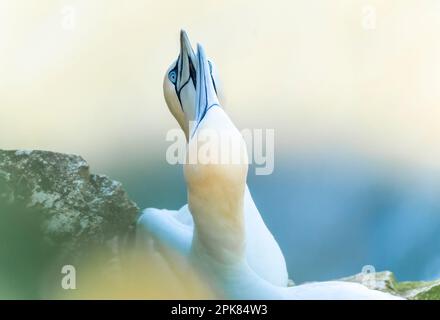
x: 180, y: 84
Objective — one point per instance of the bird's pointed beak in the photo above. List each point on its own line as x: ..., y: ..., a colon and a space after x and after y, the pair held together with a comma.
x: 206, y: 96
x: 185, y: 46
x: 187, y: 60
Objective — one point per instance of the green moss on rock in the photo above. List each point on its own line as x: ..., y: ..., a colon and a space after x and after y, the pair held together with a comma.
x: 385, y: 281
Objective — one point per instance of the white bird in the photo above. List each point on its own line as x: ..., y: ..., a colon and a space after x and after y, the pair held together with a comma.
x: 216, y: 197
x: 175, y: 229
x: 218, y: 245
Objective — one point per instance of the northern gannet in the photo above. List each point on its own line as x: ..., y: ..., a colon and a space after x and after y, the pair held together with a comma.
x: 216, y: 199
x: 216, y: 236
x: 175, y: 229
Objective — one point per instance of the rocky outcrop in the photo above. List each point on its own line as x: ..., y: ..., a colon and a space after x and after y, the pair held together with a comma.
x: 76, y: 209
x: 385, y: 281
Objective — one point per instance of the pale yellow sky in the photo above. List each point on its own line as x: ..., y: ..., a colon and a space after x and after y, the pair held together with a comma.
x: 316, y: 71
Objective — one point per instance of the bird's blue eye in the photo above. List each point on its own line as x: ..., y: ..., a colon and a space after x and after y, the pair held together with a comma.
x: 172, y: 76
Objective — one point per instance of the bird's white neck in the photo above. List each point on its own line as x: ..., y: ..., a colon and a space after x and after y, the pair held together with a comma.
x: 216, y: 194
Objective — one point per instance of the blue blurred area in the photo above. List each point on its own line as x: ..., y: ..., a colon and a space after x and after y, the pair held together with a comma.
x: 331, y: 215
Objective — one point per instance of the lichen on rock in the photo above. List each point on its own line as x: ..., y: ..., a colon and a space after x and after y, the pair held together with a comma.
x: 78, y: 210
